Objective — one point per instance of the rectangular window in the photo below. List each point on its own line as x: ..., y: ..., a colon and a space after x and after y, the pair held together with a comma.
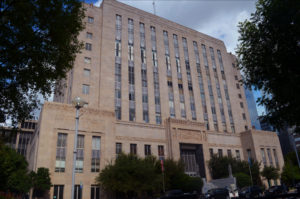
x: 249, y: 154
x: 79, y: 155
x: 211, y: 152
x: 61, y: 148
x: 118, y: 148
x: 58, y: 192
x: 130, y: 52
x: 133, y: 148
x: 244, y: 117
x: 95, y: 192
x: 86, y: 72
x: 77, y: 192
x: 88, y: 46
x: 270, y: 157
x: 161, y: 152
x: 118, y: 48
x: 240, y: 96
x: 276, y: 158
x: 246, y: 127
x: 241, y: 104
x: 220, y: 152
x: 85, y: 89
x: 87, y: 60
x: 237, y: 154
x: 229, y: 154
x: 147, y: 149
x: 96, y: 145
x: 237, y: 86
x: 263, y: 156
x: 236, y: 77
x: 90, y: 19
x: 89, y: 35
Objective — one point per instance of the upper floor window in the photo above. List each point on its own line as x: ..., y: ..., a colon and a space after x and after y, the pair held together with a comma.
x: 87, y: 60
x: 85, y: 89
x: 88, y: 46
x: 90, y: 19
x: 237, y: 86
x: 240, y: 96
x: 242, y: 104
x: 118, y: 148
x: 86, y: 72
x: 147, y: 150
x: 89, y: 35
x: 133, y: 149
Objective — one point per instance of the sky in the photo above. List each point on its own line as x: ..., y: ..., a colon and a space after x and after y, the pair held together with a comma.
x: 217, y: 18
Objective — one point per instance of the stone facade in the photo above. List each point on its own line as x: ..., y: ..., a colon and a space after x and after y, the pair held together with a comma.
x: 93, y: 79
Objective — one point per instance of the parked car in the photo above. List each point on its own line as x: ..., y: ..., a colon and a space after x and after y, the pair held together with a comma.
x: 275, y: 190
x: 218, y: 193
x: 250, y: 192
x: 178, y: 194
x: 234, y: 193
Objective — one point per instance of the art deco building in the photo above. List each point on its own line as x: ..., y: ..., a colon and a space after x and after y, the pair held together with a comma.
x: 152, y: 87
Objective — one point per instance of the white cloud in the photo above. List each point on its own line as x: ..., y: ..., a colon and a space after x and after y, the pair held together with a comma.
x: 98, y: 3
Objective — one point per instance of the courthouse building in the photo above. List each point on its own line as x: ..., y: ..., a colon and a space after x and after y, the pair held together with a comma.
x: 152, y: 86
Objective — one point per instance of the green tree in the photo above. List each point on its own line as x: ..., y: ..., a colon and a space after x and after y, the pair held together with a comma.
x: 14, y: 176
x: 269, y: 55
x: 38, y: 45
x: 270, y: 173
x: 242, y: 180
x: 41, y: 182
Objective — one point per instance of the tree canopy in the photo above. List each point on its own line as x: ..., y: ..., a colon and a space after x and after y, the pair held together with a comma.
x: 38, y: 45
x: 132, y: 176
x: 270, y: 173
x: 269, y: 56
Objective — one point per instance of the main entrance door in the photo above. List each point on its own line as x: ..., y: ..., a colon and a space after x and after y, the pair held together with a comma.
x: 192, y: 157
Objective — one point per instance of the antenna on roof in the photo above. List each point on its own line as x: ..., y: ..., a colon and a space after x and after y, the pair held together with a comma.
x: 154, y: 10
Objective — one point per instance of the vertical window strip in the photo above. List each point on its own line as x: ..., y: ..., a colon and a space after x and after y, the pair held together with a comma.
x: 144, y: 74
x: 201, y: 85
x: 210, y: 90
x: 169, y: 75
x: 131, y: 76
x: 61, y: 147
x: 220, y: 100
x: 226, y: 91
x: 189, y: 78
x: 118, y: 62
x: 80, y: 154
x: 96, y: 145
x: 155, y: 76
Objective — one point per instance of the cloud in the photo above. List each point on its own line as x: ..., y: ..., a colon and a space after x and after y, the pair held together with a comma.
x: 98, y: 3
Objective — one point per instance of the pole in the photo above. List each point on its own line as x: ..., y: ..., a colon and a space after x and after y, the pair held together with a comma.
x: 250, y: 174
x: 75, y: 152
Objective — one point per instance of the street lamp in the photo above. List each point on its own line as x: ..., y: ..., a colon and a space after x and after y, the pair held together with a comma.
x: 78, y: 103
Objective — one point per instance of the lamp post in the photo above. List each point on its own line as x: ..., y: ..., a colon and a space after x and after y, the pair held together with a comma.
x: 78, y: 103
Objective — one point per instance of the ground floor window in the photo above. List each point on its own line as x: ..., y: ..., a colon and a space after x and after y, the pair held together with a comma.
x: 58, y: 192
x: 95, y: 192
x: 78, y: 192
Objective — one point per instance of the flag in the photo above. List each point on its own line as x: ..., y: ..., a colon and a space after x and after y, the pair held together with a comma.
x: 162, y: 165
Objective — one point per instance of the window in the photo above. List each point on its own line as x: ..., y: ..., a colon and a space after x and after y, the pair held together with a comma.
x: 96, y: 145
x: 220, y: 152
x: 131, y: 114
x: 88, y: 46
x: 87, y: 60
x: 237, y: 86
x: 95, y: 192
x: 244, y: 117
x: 61, y: 148
x: 211, y: 152
x: 85, y: 89
x: 249, y: 154
x: 118, y: 48
x: 161, y: 152
x: 90, y: 19
x: 236, y: 77
x: 133, y: 149
x: 86, y: 72
x: 130, y: 52
x: 89, y: 35
x: 237, y: 154
x: 240, y: 96
x: 145, y: 116
x: 78, y: 192
x: 276, y: 158
x: 263, y: 156
x: 229, y: 154
x: 270, y: 157
x: 118, y: 112
x: 118, y: 148
x: 58, y: 192
x: 246, y: 127
x: 79, y: 155
x: 242, y: 104
x: 147, y: 149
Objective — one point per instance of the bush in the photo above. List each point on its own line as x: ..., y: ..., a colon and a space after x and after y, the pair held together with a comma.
x: 242, y: 180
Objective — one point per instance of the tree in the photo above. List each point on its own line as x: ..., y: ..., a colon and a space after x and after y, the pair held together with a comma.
x: 131, y: 176
x: 14, y: 176
x: 242, y: 180
x: 269, y: 55
x: 41, y: 182
x: 38, y: 45
x: 290, y: 173
x: 270, y: 173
